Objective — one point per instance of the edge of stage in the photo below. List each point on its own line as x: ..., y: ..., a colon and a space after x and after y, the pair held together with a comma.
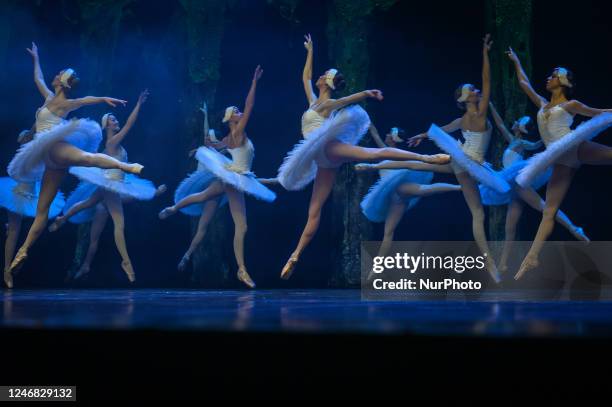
x: 178, y: 342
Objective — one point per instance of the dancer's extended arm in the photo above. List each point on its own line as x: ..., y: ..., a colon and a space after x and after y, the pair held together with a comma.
x: 238, y: 134
x: 577, y: 107
x: 499, y: 122
x: 449, y: 128
x: 483, y: 105
x: 307, y: 73
x: 523, y: 80
x: 376, y: 136
x: 39, y: 79
x: 118, y: 138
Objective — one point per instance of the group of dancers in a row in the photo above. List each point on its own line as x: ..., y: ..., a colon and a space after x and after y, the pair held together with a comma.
x: 332, y: 128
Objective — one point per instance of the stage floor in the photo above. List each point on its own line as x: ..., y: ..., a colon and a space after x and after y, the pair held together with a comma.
x: 297, y: 311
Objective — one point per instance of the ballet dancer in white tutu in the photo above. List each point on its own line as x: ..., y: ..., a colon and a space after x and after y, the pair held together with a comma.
x: 331, y: 130
x: 57, y: 145
x: 232, y: 178
x: 566, y: 150
x: 20, y: 199
x: 468, y: 158
x: 513, y: 161
x: 110, y: 187
x: 397, y: 191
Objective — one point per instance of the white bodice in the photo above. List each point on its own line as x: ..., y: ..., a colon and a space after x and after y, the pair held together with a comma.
x: 113, y: 173
x: 311, y: 120
x: 45, y: 119
x: 476, y: 143
x: 242, y: 157
x: 554, y: 123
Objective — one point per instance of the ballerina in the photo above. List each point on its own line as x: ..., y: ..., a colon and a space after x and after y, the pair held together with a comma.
x: 331, y: 129
x: 58, y: 145
x: 468, y: 162
x: 513, y: 161
x: 109, y: 187
x: 197, y: 182
x: 397, y: 191
x: 566, y: 150
x: 231, y: 179
x: 20, y: 199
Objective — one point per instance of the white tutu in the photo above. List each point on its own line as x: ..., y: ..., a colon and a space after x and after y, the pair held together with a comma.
x: 83, y: 191
x: 482, y: 173
x: 541, y: 161
x: 28, y: 165
x: 22, y: 198
x: 195, y: 182
x: 490, y: 196
x: 218, y: 164
x: 375, y: 205
x: 130, y: 186
x: 299, y: 167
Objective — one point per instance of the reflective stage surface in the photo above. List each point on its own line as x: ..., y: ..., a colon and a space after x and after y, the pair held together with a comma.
x: 299, y: 311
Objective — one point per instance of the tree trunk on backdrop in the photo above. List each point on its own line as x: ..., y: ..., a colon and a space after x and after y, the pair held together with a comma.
x: 100, y: 21
x: 204, y: 22
x: 509, y: 22
x: 348, y: 29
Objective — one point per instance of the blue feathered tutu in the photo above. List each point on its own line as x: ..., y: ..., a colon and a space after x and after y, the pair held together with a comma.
x: 28, y: 165
x: 299, y: 167
x: 82, y: 192
x: 126, y: 185
x: 22, y: 198
x: 375, y: 205
x: 217, y: 164
x: 482, y: 173
x: 491, y: 197
x: 195, y: 182
x: 542, y: 161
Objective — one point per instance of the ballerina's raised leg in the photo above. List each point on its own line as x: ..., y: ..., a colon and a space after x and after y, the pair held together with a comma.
x: 213, y: 191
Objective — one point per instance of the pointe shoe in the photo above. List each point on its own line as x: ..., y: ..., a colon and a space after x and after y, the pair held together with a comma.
x: 528, y: 264
x: 439, y: 159
x: 135, y: 168
x: 129, y: 271
x: 160, y: 190
x: 20, y: 258
x: 8, y: 279
x: 493, y: 271
x: 288, y: 269
x: 166, y: 212
x: 82, y: 273
x: 245, y: 278
x: 579, y: 234
x: 183, y: 263
x: 57, y: 223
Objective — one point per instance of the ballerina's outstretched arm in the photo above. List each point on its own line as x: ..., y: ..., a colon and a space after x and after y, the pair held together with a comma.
x: 449, y: 128
x: 523, y: 80
x: 307, y: 74
x: 39, y: 79
x: 237, y: 134
x: 376, y: 136
x: 74, y: 104
x: 483, y: 104
x: 129, y: 123
x: 577, y: 107
x: 499, y: 122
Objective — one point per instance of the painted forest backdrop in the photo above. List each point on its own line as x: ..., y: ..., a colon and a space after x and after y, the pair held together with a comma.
x: 188, y: 51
